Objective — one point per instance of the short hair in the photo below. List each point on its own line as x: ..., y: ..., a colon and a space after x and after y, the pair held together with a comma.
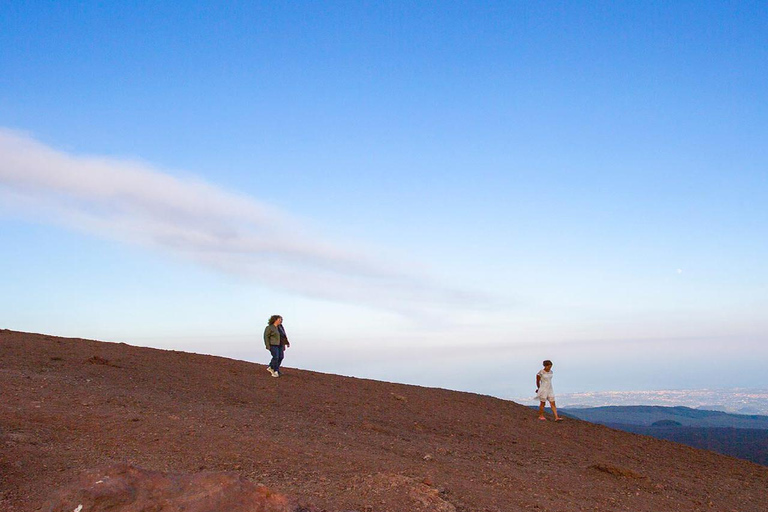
x: 273, y: 319
x: 547, y: 362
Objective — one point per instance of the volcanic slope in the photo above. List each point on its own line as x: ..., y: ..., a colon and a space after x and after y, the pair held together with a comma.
x: 332, y: 443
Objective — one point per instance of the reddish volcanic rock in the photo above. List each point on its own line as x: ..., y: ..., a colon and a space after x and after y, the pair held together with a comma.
x: 125, y: 488
x: 331, y: 443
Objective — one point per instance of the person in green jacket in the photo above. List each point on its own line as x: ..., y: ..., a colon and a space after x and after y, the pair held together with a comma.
x: 275, y: 341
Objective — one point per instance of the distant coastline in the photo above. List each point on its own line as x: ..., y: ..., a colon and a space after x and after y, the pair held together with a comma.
x: 734, y: 400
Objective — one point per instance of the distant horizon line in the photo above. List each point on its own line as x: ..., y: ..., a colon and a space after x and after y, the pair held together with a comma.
x: 745, y: 401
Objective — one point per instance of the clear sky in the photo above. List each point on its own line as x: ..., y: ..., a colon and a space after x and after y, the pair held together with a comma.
x: 441, y: 193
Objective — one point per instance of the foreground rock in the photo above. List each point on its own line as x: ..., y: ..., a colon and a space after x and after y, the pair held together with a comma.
x: 125, y: 488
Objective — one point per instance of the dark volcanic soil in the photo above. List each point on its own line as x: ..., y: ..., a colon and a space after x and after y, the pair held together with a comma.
x: 335, y: 443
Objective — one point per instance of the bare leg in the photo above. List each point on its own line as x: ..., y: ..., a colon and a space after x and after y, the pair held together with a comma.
x: 554, y: 410
x: 541, y: 411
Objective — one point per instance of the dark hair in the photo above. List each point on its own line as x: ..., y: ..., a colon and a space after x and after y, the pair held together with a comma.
x: 273, y: 319
x: 547, y: 362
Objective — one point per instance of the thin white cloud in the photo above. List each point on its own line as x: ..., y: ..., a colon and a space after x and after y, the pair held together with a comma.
x: 133, y: 202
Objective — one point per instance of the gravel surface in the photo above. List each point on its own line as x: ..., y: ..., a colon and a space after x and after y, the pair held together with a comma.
x: 329, y: 443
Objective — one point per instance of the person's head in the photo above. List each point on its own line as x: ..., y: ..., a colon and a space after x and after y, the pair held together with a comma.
x: 547, y: 364
x: 275, y: 320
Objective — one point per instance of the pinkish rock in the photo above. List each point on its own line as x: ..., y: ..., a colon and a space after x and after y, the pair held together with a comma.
x: 125, y: 488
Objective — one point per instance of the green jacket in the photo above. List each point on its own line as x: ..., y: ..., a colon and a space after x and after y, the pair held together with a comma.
x: 271, y: 335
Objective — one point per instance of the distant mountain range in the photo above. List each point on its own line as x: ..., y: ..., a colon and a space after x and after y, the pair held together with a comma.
x: 734, y: 400
x: 742, y: 436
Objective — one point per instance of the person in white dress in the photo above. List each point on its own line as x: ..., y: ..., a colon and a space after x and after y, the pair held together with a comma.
x: 544, y: 391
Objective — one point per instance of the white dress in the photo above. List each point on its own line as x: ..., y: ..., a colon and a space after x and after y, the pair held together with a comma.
x: 545, y: 393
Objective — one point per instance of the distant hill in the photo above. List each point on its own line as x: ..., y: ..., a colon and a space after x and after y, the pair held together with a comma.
x: 744, y: 443
x: 742, y: 436
x: 648, y: 415
x: 330, y: 443
x: 732, y: 400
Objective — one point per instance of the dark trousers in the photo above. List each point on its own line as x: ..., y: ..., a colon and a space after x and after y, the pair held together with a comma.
x: 277, y: 351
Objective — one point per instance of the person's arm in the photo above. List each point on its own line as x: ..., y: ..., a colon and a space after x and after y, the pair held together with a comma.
x: 283, y: 335
x: 266, y: 337
x: 538, y: 381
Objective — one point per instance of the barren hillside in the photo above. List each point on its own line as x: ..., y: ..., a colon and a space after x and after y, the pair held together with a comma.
x: 331, y: 443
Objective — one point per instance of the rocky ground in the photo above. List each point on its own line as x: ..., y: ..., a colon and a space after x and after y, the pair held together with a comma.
x: 71, y: 409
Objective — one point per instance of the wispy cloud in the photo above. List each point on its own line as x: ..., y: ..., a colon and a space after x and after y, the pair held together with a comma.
x: 134, y: 202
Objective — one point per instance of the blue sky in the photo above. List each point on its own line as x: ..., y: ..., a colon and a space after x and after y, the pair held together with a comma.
x: 442, y: 193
